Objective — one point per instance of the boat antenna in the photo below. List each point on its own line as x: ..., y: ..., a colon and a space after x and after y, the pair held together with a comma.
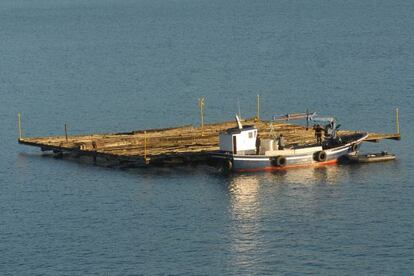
x: 239, y: 124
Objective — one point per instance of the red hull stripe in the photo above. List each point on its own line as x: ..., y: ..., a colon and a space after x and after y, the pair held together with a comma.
x: 277, y: 168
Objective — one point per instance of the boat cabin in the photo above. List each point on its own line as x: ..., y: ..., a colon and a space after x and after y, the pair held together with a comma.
x: 239, y: 140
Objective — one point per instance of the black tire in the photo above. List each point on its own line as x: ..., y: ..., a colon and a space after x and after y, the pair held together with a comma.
x: 279, y: 161
x: 320, y: 156
x: 227, y: 166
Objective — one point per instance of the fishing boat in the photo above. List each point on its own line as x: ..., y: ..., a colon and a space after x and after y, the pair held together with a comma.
x: 240, y: 151
x: 371, y: 157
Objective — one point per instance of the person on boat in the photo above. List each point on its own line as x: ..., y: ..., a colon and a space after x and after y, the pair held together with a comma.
x: 281, y: 142
x: 318, y: 133
x: 258, y: 143
x: 330, y: 131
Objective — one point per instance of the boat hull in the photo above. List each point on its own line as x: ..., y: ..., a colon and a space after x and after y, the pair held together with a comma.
x: 253, y: 163
x: 371, y: 158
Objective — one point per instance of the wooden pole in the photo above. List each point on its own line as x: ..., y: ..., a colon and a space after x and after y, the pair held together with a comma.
x: 201, y: 105
x: 19, y: 121
x: 397, y: 120
x: 66, y: 132
x: 258, y: 107
x: 238, y: 106
x: 145, y: 146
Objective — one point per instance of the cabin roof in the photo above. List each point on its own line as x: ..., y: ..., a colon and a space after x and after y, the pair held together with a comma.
x: 236, y: 130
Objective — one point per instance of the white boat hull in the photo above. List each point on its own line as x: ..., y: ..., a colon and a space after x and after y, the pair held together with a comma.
x: 252, y: 163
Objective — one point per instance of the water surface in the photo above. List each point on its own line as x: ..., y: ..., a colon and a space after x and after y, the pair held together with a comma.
x: 108, y: 66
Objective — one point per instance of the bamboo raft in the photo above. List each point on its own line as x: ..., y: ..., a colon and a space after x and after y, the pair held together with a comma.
x: 185, y: 144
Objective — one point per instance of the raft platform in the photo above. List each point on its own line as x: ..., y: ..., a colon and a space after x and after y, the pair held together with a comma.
x: 178, y: 145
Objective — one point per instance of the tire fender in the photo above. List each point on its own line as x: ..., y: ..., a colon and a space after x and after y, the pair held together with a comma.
x: 320, y: 156
x: 227, y: 166
x: 279, y: 161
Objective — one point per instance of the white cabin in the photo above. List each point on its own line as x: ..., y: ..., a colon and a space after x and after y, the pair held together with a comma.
x: 239, y: 140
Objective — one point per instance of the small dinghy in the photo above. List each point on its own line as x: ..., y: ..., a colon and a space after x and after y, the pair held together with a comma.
x: 371, y: 157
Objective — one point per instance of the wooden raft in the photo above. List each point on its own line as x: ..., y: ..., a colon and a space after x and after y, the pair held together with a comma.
x: 186, y: 144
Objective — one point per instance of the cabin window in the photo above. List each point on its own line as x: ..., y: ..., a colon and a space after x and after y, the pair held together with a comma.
x: 251, y: 133
x: 255, y: 133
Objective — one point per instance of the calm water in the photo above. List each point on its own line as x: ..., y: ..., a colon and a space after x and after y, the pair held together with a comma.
x: 105, y: 66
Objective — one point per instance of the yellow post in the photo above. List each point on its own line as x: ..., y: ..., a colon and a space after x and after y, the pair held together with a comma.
x: 258, y: 107
x: 397, y: 120
x: 19, y: 121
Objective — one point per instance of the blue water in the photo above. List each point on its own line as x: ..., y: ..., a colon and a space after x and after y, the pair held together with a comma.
x: 108, y: 66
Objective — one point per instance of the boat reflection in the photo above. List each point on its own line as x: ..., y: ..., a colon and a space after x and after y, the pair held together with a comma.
x: 248, y: 190
x: 306, y: 176
x: 245, y: 231
x: 244, y: 191
x: 263, y: 201
x: 310, y: 176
